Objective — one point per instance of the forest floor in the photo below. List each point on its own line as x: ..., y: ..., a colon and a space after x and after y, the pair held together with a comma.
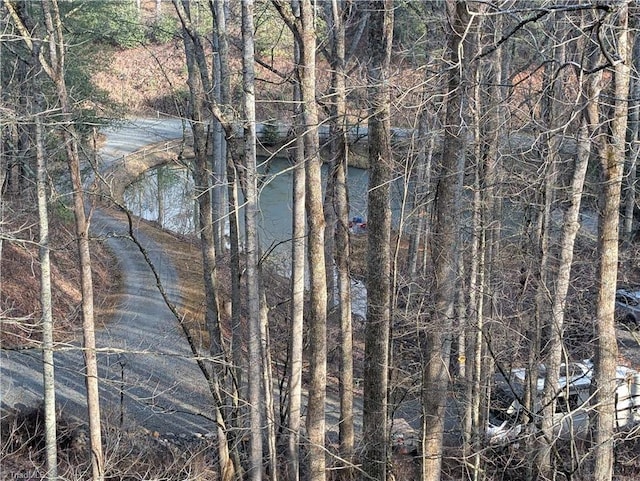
x: 20, y: 280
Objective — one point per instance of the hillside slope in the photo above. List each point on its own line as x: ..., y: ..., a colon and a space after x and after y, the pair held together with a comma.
x: 20, y: 277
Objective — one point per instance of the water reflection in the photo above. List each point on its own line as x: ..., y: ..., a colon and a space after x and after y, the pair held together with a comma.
x: 166, y: 195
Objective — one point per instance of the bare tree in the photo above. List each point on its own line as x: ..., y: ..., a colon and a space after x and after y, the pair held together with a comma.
x: 335, y: 14
x: 218, y: 141
x: 53, y: 64
x: 555, y: 348
x: 438, y: 337
x: 611, y: 154
x: 297, y: 288
x: 252, y: 246
x: 300, y: 19
x: 552, y: 290
x: 317, y: 317
x: 488, y: 128
x: 199, y: 88
x: 377, y: 330
x: 48, y: 367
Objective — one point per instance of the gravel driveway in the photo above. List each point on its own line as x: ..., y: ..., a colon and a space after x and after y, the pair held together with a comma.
x: 145, y: 365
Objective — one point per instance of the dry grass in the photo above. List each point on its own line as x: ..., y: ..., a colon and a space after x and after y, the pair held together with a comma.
x: 130, y: 454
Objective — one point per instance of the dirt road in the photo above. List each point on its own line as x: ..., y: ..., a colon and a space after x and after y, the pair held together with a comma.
x: 147, y: 374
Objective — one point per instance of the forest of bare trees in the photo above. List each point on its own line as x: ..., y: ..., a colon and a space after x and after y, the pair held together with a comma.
x: 500, y: 141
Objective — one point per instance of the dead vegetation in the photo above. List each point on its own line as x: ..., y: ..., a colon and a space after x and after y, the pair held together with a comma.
x: 131, y: 454
x: 20, y: 309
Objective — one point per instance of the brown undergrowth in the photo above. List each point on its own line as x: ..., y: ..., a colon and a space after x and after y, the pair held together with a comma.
x: 20, y: 309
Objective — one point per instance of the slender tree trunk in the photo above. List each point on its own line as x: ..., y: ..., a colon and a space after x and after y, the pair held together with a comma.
x: 340, y: 205
x: 198, y: 101
x: 421, y: 208
x: 267, y: 385
x: 612, y: 162
x: 297, y: 289
x: 539, y: 338
x: 88, y: 323
x: 237, y: 348
x: 473, y: 324
x: 377, y: 330
x: 218, y: 141
x: 70, y: 138
x: 476, y: 318
x: 301, y: 21
x: 555, y: 347
x: 256, y: 401
x: 445, y: 251
x: 48, y: 369
x: 221, y: 13
x: 552, y: 295
x: 317, y: 273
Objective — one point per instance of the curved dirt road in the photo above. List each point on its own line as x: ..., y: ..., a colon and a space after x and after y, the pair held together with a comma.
x: 145, y: 365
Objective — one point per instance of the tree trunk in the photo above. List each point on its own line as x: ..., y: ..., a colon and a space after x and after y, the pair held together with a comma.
x: 317, y: 273
x: 297, y: 289
x: 218, y: 141
x: 197, y: 105
x: 301, y: 22
x: 377, y: 330
x: 445, y: 250
x: 70, y: 137
x: 221, y: 13
x: 256, y: 401
x: 611, y: 158
x: 552, y: 289
x: 222, y: 386
x: 555, y: 346
x: 267, y: 384
x: 340, y: 205
x: 489, y: 106
x: 48, y: 368
x: 419, y: 228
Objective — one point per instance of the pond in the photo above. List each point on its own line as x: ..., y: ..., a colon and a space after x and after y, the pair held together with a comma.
x: 166, y: 195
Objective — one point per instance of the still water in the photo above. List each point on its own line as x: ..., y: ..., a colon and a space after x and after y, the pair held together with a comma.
x: 165, y: 195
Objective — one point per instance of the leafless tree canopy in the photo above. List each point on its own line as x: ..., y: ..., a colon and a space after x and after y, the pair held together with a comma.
x: 472, y: 313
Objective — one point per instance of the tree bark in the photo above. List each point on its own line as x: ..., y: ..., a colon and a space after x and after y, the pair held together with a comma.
x: 316, y: 257
x: 611, y: 157
x: 377, y: 330
x: 298, y: 253
x: 222, y: 386
x: 201, y: 173
x: 218, y: 141
x: 555, y: 346
x: 445, y: 250
x: 256, y: 401
x: 48, y: 368
x: 56, y: 71
x: 552, y: 289
x: 335, y: 13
